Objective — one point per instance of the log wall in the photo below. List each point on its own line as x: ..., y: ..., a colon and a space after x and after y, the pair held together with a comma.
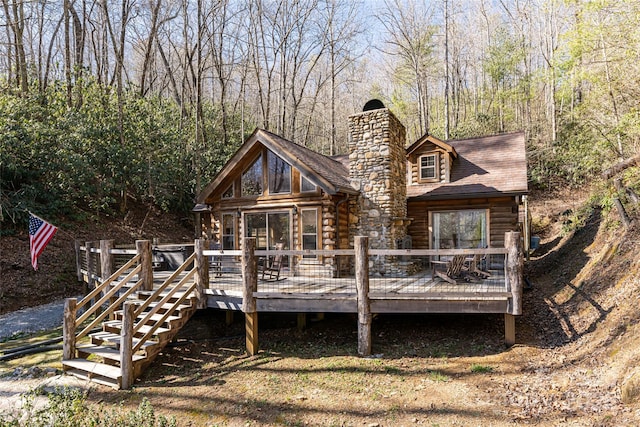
x: 503, y: 217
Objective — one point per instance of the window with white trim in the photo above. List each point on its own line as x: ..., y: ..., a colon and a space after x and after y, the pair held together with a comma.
x: 428, y: 165
x: 228, y: 231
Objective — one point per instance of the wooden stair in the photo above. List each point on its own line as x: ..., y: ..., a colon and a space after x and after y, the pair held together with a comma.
x: 99, y: 360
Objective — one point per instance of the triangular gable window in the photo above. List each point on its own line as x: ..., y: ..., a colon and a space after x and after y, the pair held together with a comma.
x: 279, y: 173
x: 252, y: 179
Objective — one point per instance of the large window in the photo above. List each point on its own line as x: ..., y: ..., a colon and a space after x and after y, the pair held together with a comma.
x: 228, y: 231
x: 463, y: 229
x: 429, y: 167
x: 252, y: 179
x: 279, y: 173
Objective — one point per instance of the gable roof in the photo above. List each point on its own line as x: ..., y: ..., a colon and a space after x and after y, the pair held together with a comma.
x: 487, y: 166
x: 436, y: 141
x: 330, y: 175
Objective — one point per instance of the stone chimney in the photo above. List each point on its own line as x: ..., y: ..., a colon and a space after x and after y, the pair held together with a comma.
x: 377, y: 167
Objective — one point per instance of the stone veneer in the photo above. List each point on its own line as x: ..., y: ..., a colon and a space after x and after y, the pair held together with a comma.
x: 377, y: 167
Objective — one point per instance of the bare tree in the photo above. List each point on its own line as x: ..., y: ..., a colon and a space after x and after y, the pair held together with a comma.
x: 410, y: 34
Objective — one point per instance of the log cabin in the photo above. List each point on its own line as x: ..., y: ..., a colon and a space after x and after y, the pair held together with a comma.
x: 431, y: 194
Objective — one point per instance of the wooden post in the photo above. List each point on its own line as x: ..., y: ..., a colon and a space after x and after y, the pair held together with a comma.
x: 302, y: 321
x: 146, y: 261
x: 526, y: 228
x: 228, y: 317
x: 126, y: 345
x: 106, y: 266
x: 202, y: 273
x: 69, y: 329
x: 362, y: 289
x: 106, y: 258
x: 250, y: 280
x: 78, y: 244
x: 515, y: 279
x: 509, y: 329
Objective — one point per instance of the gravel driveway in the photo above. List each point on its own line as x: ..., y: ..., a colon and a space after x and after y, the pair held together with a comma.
x: 30, y: 320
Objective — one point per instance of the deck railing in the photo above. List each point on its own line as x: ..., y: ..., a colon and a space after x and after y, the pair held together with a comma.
x: 360, y: 274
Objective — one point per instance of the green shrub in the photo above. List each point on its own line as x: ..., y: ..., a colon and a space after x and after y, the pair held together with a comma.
x: 67, y: 407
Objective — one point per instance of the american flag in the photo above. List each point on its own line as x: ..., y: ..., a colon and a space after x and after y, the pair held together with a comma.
x: 40, y: 233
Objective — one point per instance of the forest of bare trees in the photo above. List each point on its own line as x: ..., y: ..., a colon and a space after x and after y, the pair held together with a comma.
x: 152, y: 96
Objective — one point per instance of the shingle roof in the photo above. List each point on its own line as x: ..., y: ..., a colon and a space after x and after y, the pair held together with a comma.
x: 485, y: 166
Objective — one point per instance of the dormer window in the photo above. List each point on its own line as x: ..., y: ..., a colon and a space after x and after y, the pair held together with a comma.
x: 429, y: 167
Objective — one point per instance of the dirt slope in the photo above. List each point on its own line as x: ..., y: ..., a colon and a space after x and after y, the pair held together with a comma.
x: 21, y: 286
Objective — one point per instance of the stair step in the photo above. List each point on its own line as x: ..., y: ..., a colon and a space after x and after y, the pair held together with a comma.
x: 146, y: 294
x: 169, y: 321
x: 165, y: 307
x: 114, y: 339
x: 107, y: 353
x: 97, y: 372
x: 114, y: 326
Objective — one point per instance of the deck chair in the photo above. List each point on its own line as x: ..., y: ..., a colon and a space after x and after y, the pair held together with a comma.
x: 455, y: 267
x: 474, y: 266
x: 273, y: 264
x: 216, y: 260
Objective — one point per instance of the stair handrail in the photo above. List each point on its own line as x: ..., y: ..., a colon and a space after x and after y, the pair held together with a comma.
x: 107, y: 282
x: 107, y: 296
x: 164, y: 285
x: 112, y: 307
x: 164, y: 300
x: 164, y: 317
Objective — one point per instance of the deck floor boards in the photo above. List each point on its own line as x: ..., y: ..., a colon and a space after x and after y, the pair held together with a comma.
x: 230, y: 284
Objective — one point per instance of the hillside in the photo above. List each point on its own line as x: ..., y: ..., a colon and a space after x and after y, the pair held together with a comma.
x: 56, y: 276
x: 576, y: 361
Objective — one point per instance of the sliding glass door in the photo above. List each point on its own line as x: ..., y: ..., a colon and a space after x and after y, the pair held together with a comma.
x: 463, y: 229
x: 269, y: 229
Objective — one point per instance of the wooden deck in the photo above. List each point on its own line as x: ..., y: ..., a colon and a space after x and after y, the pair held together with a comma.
x: 419, y: 293
x: 370, y: 281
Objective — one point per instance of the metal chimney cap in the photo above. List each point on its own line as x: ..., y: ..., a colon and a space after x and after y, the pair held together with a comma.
x: 373, y: 104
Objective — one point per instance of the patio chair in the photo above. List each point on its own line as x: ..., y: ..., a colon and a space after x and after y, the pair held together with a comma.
x: 474, y: 266
x: 455, y: 266
x: 272, y: 265
x: 216, y: 260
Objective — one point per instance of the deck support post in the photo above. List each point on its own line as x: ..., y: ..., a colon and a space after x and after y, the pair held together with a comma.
x: 146, y: 262
x: 202, y: 273
x: 69, y: 329
x: 106, y: 267
x: 126, y: 346
x: 302, y: 321
x: 515, y: 279
x: 228, y: 319
x: 509, y: 329
x: 250, y: 280
x: 362, y: 289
